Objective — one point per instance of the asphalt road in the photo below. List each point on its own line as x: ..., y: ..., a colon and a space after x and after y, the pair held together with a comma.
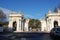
x: 26, y: 36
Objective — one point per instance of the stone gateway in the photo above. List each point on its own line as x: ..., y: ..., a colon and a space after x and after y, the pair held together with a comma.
x: 52, y: 20
x: 17, y: 23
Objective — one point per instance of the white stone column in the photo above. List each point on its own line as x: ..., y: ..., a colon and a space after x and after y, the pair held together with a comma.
x: 22, y: 26
x: 43, y: 25
x: 18, y: 26
x: 10, y: 25
x: 26, y: 25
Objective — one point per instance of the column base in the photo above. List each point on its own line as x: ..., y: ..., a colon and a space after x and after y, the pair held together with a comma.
x: 18, y: 31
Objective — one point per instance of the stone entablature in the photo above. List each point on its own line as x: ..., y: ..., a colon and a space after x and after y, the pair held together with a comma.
x: 49, y: 14
x: 20, y: 15
x: 53, y: 14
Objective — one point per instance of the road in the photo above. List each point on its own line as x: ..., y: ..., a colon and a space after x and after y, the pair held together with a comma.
x: 26, y: 36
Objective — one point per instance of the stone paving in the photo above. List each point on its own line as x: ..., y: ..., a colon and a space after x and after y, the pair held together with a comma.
x: 26, y: 36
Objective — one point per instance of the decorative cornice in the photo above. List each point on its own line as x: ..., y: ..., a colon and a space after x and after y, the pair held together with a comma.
x: 52, y: 15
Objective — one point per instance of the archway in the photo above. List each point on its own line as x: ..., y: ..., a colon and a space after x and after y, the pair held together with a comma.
x: 14, y: 26
x: 55, y: 23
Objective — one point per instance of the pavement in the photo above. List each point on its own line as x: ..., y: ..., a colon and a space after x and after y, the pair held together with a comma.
x: 26, y: 36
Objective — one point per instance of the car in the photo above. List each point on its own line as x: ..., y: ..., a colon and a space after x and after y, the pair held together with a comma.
x: 1, y: 29
x: 55, y: 32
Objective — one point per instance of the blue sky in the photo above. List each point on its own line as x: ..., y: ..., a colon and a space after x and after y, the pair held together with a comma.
x: 30, y: 8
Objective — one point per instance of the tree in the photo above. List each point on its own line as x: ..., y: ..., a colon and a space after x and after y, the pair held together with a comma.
x: 38, y: 24
x: 33, y: 23
x: 55, y: 9
x: 2, y: 16
x: 59, y: 6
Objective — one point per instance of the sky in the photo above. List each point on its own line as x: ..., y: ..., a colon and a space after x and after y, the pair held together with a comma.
x: 30, y: 8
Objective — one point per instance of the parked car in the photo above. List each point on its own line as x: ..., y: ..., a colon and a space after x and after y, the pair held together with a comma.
x: 55, y: 32
x: 1, y: 28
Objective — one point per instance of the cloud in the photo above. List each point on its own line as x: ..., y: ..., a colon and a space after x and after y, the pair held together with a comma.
x: 6, y: 11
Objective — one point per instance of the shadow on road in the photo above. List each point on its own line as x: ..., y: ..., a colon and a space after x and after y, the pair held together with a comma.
x: 27, y: 36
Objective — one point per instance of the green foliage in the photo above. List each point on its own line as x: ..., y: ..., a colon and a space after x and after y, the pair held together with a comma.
x: 34, y: 23
x: 55, y: 9
x: 59, y: 6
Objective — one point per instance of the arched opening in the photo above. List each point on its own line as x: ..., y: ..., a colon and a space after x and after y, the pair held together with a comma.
x: 14, y: 26
x: 55, y: 23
